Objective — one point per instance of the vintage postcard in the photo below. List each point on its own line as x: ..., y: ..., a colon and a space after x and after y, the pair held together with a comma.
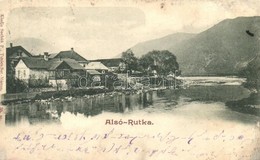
x: 130, y: 80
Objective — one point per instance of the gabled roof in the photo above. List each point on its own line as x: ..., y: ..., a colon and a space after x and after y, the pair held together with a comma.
x: 96, y: 65
x: 112, y: 62
x: 73, y: 64
x: 13, y: 51
x: 69, y: 54
x: 52, y: 64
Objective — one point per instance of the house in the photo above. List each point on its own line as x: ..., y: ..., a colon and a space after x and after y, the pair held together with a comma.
x: 112, y: 63
x: 13, y: 54
x: 48, y: 71
x: 66, y: 72
x: 31, y: 68
x: 70, y: 54
x: 95, y: 78
x: 98, y: 66
x: 96, y: 73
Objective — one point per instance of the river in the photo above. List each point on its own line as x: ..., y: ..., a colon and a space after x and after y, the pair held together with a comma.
x: 200, y: 97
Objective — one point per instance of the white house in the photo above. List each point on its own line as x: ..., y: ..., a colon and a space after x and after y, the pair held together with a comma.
x: 34, y: 68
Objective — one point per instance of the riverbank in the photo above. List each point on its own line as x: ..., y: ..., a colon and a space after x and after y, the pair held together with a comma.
x: 66, y: 94
x: 218, y: 84
x: 26, y: 97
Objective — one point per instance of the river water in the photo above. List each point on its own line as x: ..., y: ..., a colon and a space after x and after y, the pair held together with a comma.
x: 215, y: 97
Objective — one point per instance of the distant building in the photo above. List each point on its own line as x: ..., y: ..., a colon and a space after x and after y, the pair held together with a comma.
x: 70, y: 54
x: 97, y: 72
x: 98, y: 66
x: 94, y: 78
x: 112, y: 63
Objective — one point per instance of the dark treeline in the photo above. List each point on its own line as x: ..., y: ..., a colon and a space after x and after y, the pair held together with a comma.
x: 164, y: 62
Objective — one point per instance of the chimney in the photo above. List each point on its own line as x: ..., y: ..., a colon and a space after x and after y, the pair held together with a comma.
x: 72, y: 49
x: 46, y: 56
x: 11, y: 45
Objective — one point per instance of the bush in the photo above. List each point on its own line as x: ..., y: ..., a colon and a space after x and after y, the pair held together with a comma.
x: 39, y: 83
x: 17, y: 86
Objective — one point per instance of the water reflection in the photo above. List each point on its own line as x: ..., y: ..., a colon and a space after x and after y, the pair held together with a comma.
x: 50, y: 111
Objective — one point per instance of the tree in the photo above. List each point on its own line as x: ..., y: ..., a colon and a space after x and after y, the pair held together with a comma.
x: 164, y: 61
x: 252, y: 73
x: 130, y: 60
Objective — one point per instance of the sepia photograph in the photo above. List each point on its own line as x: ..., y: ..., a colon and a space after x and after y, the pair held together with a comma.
x: 134, y: 79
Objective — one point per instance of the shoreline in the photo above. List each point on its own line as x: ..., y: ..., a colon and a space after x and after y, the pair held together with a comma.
x: 68, y: 94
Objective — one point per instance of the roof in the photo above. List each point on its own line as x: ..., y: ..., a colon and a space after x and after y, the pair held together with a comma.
x: 13, y: 51
x: 69, y: 54
x: 96, y: 65
x: 74, y: 64
x: 36, y: 63
x: 53, y: 55
x: 52, y: 64
x: 93, y: 72
x: 112, y: 62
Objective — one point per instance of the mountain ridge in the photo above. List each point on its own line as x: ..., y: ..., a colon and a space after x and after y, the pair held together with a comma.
x: 223, y: 49
x: 144, y: 47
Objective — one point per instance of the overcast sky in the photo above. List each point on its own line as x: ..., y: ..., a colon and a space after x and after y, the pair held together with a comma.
x: 102, y: 32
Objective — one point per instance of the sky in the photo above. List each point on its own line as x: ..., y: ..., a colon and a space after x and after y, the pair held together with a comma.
x: 104, y: 31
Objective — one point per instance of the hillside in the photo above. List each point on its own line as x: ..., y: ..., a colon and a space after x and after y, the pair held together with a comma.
x: 160, y: 43
x: 33, y: 45
x: 221, y: 50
